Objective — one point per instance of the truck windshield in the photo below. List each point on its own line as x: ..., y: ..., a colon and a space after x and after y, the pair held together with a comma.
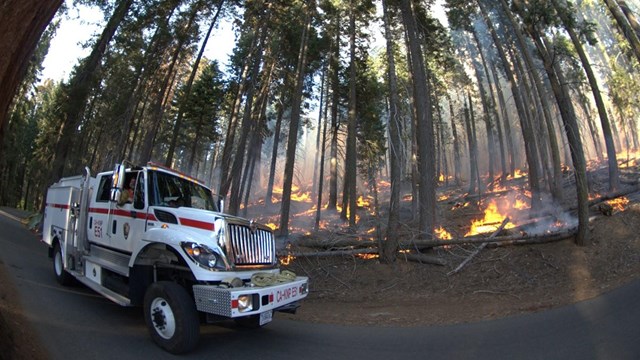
x: 173, y: 191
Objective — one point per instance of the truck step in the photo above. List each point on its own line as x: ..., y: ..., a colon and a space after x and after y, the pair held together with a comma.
x: 109, y: 259
x: 111, y: 295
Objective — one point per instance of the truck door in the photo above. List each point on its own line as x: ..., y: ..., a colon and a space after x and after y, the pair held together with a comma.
x: 127, y: 223
x: 99, y: 212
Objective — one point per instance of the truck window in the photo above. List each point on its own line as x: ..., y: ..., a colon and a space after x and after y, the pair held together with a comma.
x: 104, y: 189
x: 173, y: 191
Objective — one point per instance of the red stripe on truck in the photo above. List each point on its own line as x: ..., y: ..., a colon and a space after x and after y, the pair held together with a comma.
x: 197, y: 224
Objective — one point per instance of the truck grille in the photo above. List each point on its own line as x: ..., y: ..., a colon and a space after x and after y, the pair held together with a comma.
x: 251, y: 248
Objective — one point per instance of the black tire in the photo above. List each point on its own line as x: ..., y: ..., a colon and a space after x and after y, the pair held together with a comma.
x: 171, y: 317
x: 62, y: 276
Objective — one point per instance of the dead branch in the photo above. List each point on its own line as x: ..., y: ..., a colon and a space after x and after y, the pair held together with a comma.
x: 482, y: 246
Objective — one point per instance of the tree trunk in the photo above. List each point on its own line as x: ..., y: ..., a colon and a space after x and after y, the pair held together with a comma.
x: 614, y: 181
x: 177, y: 127
x: 486, y: 116
x: 473, y: 147
x: 335, y: 88
x: 631, y: 17
x: 79, y: 88
x: 390, y: 246
x: 274, y: 154
x: 294, y: 125
x: 624, y: 26
x: 573, y: 136
x: 425, y: 137
x: 350, y: 177
x: 527, y: 133
x: 457, y: 162
x: 22, y: 23
x: 235, y: 176
x: 323, y: 146
x: 510, y: 151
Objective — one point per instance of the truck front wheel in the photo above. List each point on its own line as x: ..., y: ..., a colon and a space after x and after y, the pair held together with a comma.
x: 171, y: 317
x: 62, y: 276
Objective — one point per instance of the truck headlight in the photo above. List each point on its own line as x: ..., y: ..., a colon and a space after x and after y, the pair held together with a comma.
x: 245, y: 303
x: 201, y: 254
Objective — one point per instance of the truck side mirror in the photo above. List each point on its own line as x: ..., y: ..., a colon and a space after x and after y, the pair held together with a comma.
x: 117, y: 182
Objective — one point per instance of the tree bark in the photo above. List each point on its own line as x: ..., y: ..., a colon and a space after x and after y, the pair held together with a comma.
x: 350, y: 177
x: 424, y: 133
x: 390, y: 247
x: 22, y: 23
x: 625, y: 27
x: 294, y: 125
x: 614, y: 181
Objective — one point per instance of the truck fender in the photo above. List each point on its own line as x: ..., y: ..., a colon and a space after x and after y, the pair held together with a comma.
x: 169, y: 238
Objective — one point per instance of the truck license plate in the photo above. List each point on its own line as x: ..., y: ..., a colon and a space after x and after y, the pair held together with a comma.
x: 266, y: 317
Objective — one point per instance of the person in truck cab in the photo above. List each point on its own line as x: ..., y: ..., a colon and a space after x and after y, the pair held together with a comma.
x: 127, y: 193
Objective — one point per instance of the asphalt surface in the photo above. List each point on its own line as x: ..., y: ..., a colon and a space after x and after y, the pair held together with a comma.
x: 74, y: 322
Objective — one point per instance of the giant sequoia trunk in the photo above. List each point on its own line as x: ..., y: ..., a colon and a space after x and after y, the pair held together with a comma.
x: 22, y: 22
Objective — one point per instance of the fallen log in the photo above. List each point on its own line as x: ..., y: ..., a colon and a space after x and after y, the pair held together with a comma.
x: 330, y: 253
x: 482, y: 246
x: 614, y: 195
x: 538, y: 238
x: 423, y: 258
x: 337, y: 242
x: 541, y: 239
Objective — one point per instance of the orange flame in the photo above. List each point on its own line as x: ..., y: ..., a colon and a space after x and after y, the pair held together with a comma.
x: 520, y: 205
x: 619, y: 204
x: 442, y: 234
x: 272, y: 226
x: 519, y: 173
x: 491, y: 221
x: 362, y: 202
x: 367, y: 256
x: 286, y: 260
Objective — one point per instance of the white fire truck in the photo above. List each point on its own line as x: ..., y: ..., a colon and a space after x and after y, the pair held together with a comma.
x: 154, y: 237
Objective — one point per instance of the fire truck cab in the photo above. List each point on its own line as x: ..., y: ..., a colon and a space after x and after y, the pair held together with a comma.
x: 153, y: 237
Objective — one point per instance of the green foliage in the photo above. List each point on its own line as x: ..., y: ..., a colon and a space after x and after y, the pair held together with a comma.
x: 371, y: 130
x: 203, y: 105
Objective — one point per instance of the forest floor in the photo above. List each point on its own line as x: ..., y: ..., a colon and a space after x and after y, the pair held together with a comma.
x: 500, y: 281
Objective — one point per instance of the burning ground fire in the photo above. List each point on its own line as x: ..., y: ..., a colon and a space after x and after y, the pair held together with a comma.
x: 490, y: 222
x: 619, y: 204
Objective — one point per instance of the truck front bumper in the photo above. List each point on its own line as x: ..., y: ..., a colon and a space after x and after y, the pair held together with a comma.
x: 245, y: 301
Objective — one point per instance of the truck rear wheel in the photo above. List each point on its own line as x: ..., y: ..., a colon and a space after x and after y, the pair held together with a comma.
x: 171, y: 317
x: 62, y: 276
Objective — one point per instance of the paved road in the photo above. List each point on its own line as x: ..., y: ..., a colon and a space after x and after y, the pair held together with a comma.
x: 76, y: 323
